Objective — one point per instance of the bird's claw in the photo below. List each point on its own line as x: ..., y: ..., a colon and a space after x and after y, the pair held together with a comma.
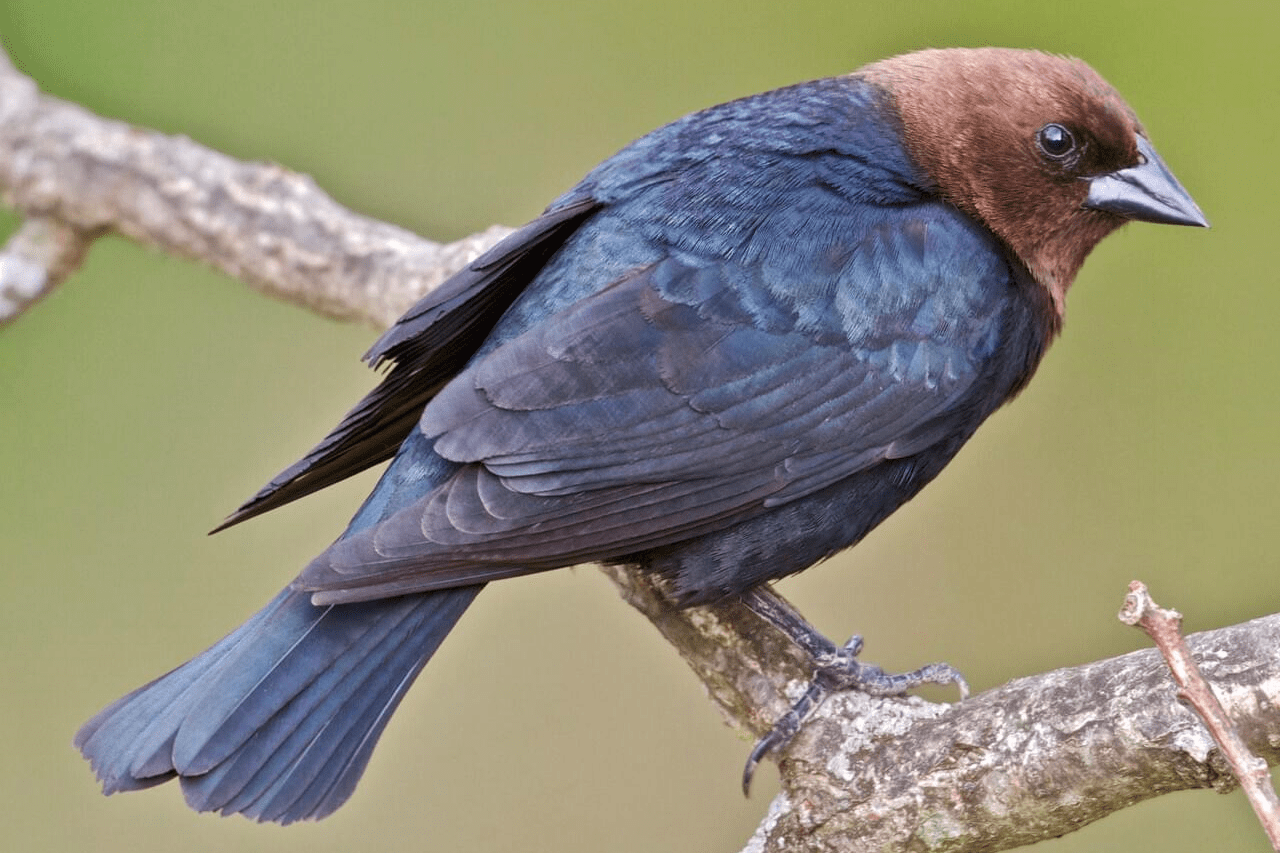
x: 843, y: 671
x: 840, y: 670
x: 783, y: 731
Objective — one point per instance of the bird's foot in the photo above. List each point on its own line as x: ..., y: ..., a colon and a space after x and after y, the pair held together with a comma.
x: 835, y: 669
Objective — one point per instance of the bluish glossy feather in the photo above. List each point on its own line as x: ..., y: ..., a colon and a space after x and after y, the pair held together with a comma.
x: 729, y: 352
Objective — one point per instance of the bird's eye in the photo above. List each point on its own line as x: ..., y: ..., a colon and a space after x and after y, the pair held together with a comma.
x: 1056, y: 141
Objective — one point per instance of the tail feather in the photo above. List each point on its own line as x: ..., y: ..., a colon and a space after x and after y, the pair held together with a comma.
x: 277, y: 743
x: 335, y: 757
x: 129, y: 743
x: 305, y: 649
x: 286, y: 758
x: 277, y: 720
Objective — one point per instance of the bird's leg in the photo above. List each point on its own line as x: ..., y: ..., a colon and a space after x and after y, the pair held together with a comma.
x: 835, y: 668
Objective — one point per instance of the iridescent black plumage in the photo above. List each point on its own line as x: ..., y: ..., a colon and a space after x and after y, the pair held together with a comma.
x: 732, y: 350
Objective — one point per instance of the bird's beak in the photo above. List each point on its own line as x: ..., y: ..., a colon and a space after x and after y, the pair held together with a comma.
x: 1147, y: 192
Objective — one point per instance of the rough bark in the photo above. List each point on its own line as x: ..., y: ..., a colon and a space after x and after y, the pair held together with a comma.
x: 1034, y: 759
x: 272, y: 228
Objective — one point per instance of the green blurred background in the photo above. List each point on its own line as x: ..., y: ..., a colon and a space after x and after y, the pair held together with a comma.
x: 148, y: 396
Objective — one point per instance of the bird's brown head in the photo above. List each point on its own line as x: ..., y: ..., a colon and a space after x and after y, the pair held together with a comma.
x: 1039, y: 148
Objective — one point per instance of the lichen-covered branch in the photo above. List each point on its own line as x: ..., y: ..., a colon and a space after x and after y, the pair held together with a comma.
x: 1032, y: 760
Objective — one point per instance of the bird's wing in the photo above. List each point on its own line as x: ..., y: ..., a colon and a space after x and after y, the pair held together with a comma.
x: 424, y: 349
x: 678, y: 400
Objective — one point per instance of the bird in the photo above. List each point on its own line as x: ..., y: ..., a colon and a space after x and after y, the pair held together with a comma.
x: 729, y: 352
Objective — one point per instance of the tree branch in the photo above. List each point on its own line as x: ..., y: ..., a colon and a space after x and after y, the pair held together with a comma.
x: 267, y: 226
x: 1034, y: 759
x: 36, y: 259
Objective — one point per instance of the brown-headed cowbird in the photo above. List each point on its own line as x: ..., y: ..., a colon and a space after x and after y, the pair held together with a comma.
x: 729, y: 352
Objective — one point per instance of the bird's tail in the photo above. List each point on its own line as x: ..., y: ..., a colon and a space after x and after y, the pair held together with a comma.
x: 278, y: 719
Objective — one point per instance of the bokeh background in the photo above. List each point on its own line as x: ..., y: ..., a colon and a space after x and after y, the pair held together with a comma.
x: 148, y: 396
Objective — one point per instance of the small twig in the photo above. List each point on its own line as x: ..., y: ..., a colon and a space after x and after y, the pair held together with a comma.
x: 1164, y: 628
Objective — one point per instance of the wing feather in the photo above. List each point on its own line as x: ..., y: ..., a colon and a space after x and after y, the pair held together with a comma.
x: 660, y: 408
x: 425, y: 348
